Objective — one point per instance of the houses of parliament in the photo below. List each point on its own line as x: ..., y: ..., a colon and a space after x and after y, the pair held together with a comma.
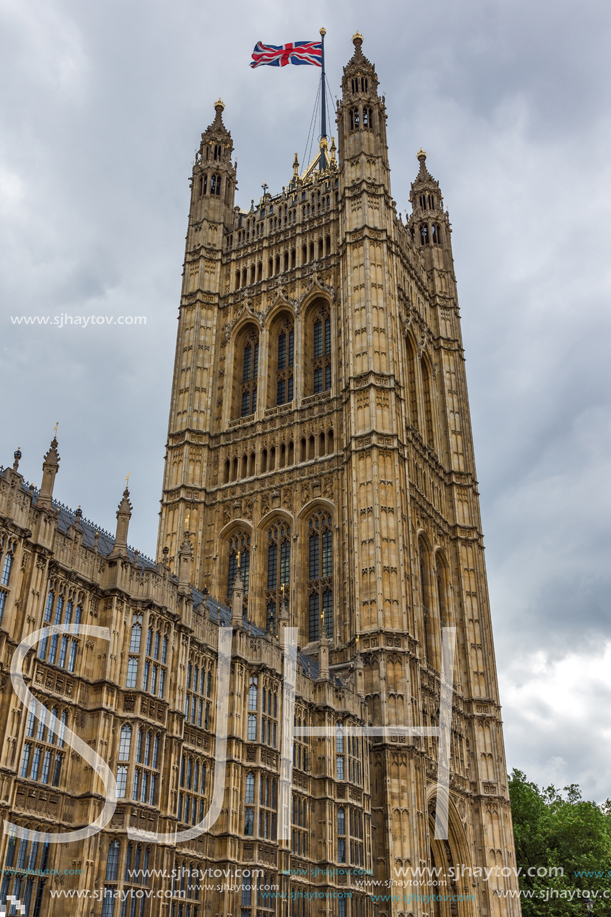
x: 319, y: 479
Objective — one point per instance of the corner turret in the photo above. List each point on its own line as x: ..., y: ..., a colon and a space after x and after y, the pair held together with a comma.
x: 50, y: 467
x: 361, y: 114
x: 214, y: 174
x: 124, y: 514
x: 429, y: 224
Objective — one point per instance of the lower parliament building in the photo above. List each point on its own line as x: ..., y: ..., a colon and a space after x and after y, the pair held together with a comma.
x: 319, y: 481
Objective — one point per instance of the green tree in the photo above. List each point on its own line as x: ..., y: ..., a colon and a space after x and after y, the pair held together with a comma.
x: 568, y: 838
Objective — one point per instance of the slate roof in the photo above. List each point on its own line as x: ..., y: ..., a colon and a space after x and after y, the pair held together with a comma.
x: 106, y: 541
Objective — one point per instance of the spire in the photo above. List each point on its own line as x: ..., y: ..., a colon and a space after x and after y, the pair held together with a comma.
x: 358, y: 67
x: 219, y: 107
x: 124, y: 514
x: 284, y: 610
x: 333, y: 153
x: 185, y: 556
x: 217, y: 130
x: 359, y: 671
x: 425, y: 189
x: 237, y: 596
x: 50, y: 467
x: 428, y: 224
x: 214, y: 174
x: 361, y: 118
x: 323, y: 657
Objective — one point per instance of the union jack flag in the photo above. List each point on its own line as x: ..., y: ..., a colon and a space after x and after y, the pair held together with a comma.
x: 296, y: 52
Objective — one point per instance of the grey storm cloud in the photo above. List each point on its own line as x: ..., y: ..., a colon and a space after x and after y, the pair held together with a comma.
x: 101, y: 108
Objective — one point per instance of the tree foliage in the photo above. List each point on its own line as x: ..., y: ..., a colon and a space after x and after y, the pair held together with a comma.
x: 558, y: 831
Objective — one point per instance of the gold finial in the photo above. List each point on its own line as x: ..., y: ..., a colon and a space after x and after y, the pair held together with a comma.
x: 55, y: 429
x: 357, y: 38
x: 219, y: 104
x: 323, y: 32
x: 127, y: 479
x: 239, y: 552
x: 421, y: 154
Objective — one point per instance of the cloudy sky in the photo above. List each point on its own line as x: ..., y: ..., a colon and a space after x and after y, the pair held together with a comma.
x: 101, y: 107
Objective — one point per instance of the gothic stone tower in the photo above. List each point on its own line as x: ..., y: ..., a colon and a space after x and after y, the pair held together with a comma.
x: 319, y: 440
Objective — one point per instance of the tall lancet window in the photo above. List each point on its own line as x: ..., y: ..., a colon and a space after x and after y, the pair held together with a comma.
x: 428, y: 622
x: 278, y: 572
x: 320, y: 575
x: 286, y: 359
x: 250, y: 371
x: 412, y: 394
x: 442, y: 592
x: 428, y: 402
x: 239, y: 555
x: 321, y: 352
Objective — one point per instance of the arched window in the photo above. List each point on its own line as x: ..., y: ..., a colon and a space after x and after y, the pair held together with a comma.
x: 134, y: 644
x: 367, y: 117
x: 49, y: 605
x: 112, y: 861
x: 442, y: 591
x: 239, y: 553
x: 427, y: 611
x: 320, y: 574
x: 249, y: 366
x: 125, y: 743
x: 249, y: 796
x: 6, y: 569
x: 203, y: 185
x: 354, y: 119
x: 286, y: 359
x: 252, y: 693
x: 215, y: 185
x: 428, y: 402
x: 62, y: 731
x: 319, y: 356
x: 341, y: 836
x: 134, y: 649
x: 424, y: 234
x: 267, y: 808
x: 278, y: 572
x: 51, y: 735
x: 412, y: 394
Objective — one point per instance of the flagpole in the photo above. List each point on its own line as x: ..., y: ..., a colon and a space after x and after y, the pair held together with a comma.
x: 323, y: 103
x: 323, y: 107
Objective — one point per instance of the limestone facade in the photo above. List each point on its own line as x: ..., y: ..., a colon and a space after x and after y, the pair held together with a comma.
x: 319, y: 475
